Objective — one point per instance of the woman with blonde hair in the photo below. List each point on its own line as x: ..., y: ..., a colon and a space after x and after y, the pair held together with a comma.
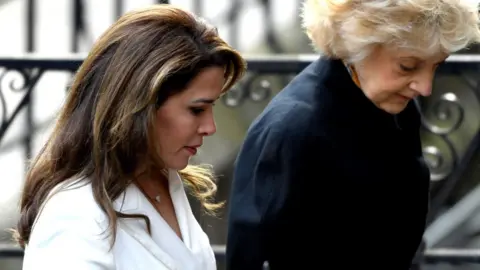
x: 107, y: 189
x: 332, y: 170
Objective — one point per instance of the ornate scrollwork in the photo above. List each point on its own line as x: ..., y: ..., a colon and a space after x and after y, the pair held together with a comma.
x: 440, y: 156
x: 234, y: 97
x: 259, y: 88
x: 15, y: 81
x: 255, y: 87
x: 445, y: 116
x: 441, y: 119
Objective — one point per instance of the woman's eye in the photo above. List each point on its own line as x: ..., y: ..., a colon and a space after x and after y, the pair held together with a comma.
x: 197, y: 111
x: 406, y: 68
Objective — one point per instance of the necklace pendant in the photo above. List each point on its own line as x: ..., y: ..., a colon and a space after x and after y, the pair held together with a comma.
x: 157, y: 198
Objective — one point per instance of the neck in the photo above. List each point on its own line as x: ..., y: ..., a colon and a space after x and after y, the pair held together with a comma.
x: 153, y: 182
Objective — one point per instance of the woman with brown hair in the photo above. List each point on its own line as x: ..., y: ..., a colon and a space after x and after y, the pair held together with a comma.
x: 107, y: 189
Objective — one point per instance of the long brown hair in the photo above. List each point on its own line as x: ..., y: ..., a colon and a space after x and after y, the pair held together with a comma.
x: 107, y: 124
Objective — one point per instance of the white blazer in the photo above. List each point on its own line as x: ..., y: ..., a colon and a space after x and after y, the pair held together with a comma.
x: 71, y: 234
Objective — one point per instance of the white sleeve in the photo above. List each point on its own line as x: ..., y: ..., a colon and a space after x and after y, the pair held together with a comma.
x: 69, y: 236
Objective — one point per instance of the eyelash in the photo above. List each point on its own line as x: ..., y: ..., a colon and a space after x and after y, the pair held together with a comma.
x: 407, y: 69
x: 197, y: 111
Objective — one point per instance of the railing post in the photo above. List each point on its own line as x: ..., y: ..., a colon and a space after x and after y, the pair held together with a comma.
x: 118, y: 9
x: 78, y: 24
x: 30, y: 47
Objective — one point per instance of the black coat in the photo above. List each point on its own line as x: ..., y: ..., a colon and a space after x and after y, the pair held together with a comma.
x: 326, y: 178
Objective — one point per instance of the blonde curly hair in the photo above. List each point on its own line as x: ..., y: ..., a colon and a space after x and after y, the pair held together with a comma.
x: 351, y: 29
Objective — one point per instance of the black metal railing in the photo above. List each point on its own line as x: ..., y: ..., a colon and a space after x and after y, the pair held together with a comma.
x: 268, y: 74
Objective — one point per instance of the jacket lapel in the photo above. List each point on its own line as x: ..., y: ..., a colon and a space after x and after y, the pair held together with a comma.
x: 194, y: 238
x: 181, y: 205
x: 132, y: 203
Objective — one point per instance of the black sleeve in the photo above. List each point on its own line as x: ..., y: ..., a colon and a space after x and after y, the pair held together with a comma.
x: 262, y: 172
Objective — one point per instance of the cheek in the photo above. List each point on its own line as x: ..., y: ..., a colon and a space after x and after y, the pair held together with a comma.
x: 165, y: 134
x: 386, y: 86
x: 173, y: 132
x: 377, y: 82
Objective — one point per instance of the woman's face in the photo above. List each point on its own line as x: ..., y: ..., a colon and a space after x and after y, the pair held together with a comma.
x: 390, y: 77
x: 186, y: 118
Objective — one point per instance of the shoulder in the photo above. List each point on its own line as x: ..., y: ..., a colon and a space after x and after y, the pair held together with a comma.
x: 74, y: 195
x: 304, y: 111
x: 281, y: 134
x: 284, y: 115
x: 287, y: 120
x: 304, y: 106
x: 72, y: 200
x: 70, y: 229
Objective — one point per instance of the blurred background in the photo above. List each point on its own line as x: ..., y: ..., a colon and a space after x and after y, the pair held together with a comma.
x: 45, y: 41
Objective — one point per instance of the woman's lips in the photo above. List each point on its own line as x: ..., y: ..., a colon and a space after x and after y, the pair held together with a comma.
x: 404, y: 97
x: 191, y: 149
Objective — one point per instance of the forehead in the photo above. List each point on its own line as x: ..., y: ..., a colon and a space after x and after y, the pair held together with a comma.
x: 208, y: 83
x: 414, y: 55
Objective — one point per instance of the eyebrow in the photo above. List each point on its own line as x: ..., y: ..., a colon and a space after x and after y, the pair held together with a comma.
x: 419, y: 59
x: 203, y: 100
x: 415, y: 58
